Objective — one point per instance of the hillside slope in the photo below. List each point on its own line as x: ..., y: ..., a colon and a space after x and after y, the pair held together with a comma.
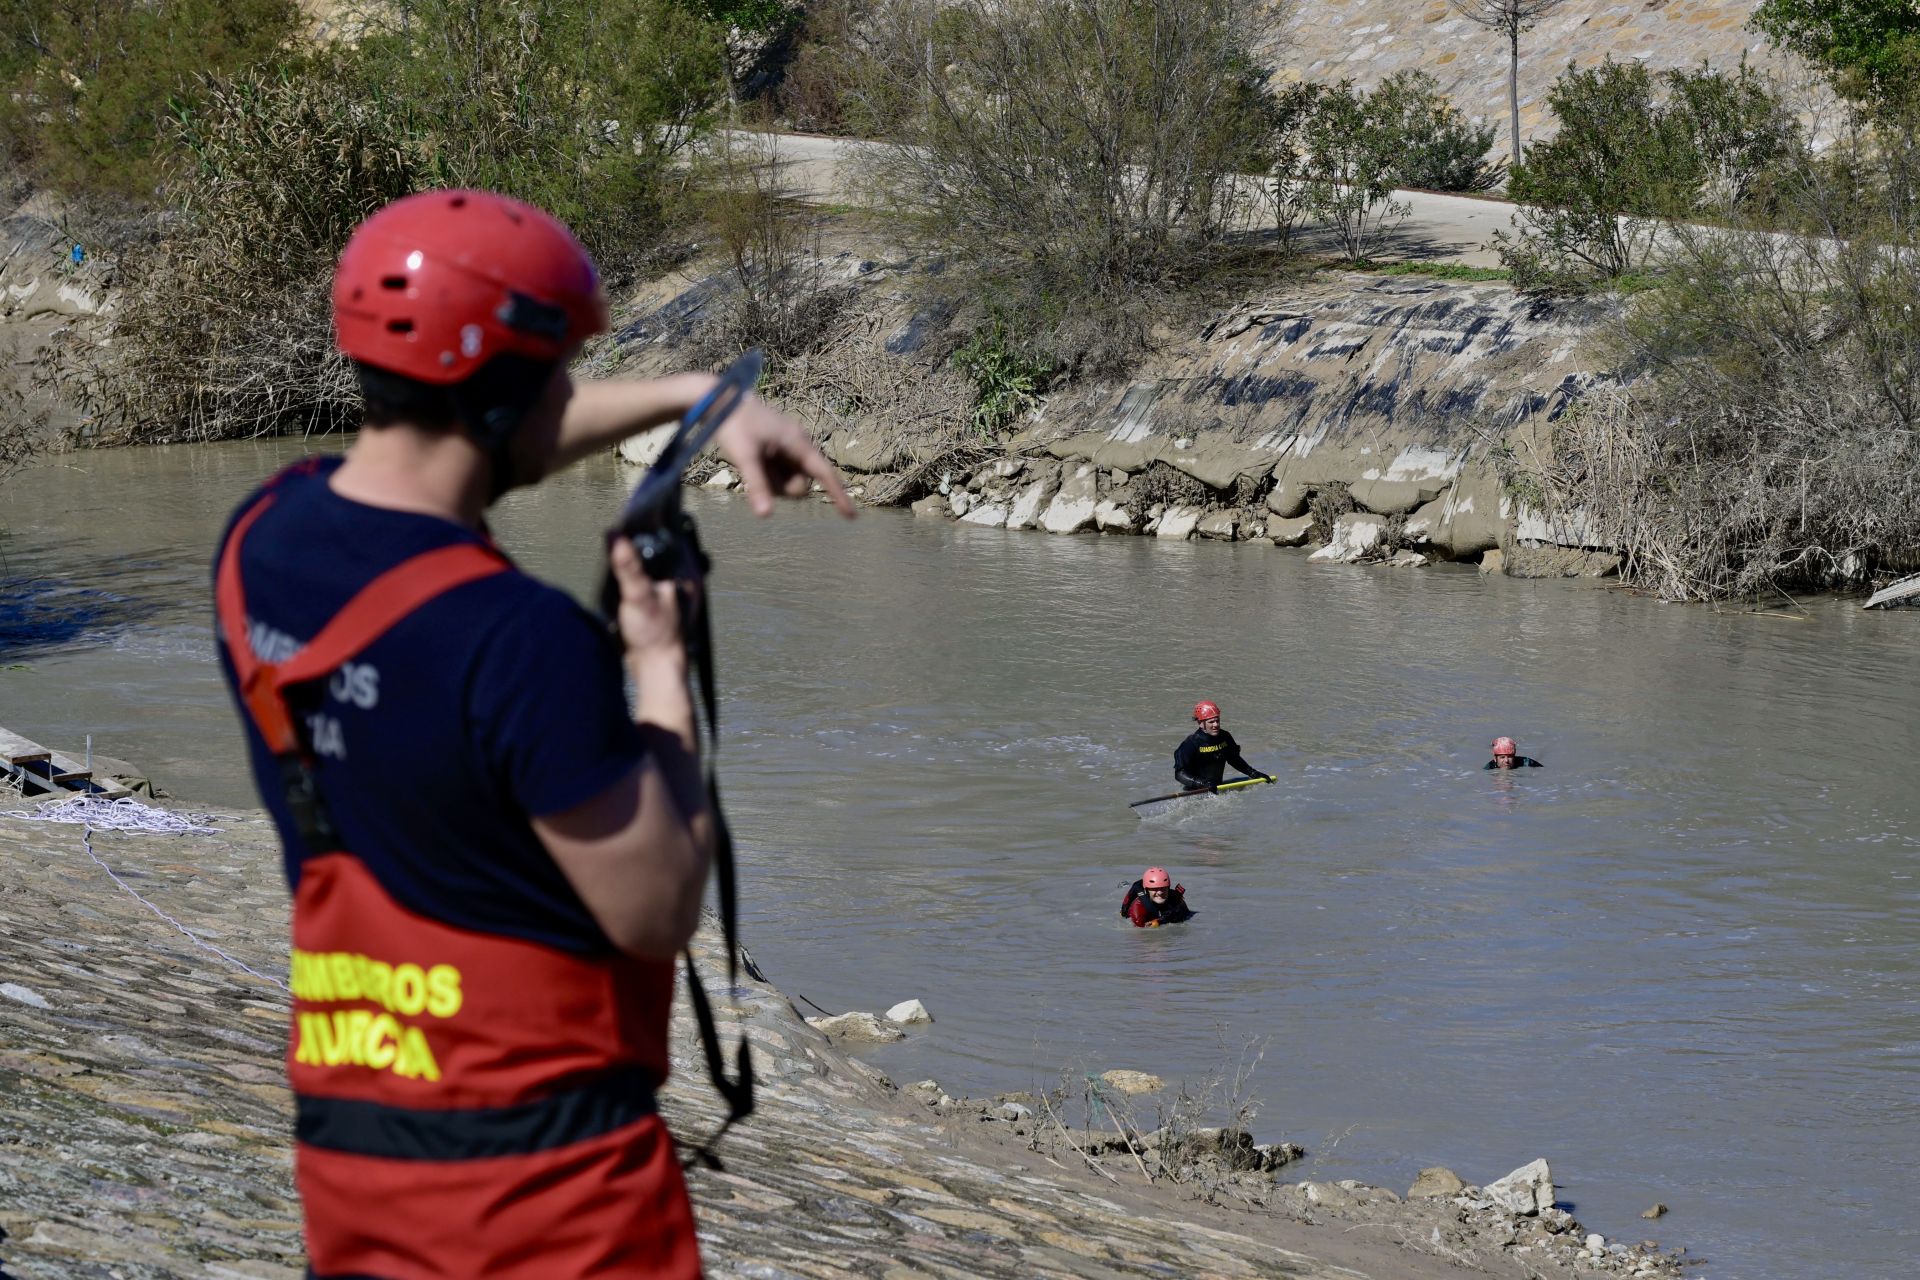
x: 1367, y: 40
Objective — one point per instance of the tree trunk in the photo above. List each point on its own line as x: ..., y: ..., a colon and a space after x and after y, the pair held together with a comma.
x: 1513, y: 89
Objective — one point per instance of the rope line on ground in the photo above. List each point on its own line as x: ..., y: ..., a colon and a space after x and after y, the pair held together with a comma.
x: 91, y: 813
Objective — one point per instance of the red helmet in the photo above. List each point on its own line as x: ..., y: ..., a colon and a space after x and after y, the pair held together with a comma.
x: 1156, y: 878
x: 436, y: 284
x: 1505, y: 747
x: 1205, y: 711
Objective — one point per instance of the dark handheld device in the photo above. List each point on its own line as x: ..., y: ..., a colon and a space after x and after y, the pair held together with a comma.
x: 661, y: 532
x: 669, y: 547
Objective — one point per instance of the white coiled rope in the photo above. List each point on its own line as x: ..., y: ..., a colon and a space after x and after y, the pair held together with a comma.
x: 128, y: 814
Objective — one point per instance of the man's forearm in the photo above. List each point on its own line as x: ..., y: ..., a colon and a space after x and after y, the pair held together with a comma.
x: 603, y: 413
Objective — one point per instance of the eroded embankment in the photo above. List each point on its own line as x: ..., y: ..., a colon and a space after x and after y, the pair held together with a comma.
x: 1360, y: 416
x: 144, y: 1123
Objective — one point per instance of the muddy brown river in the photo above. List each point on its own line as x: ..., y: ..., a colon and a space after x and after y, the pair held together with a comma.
x: 1682, y: 961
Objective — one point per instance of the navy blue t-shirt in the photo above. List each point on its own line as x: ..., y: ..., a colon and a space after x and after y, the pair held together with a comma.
x: 494, y: 701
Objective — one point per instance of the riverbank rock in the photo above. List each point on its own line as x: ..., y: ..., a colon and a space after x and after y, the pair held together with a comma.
x: 1177, y: 522
x: 1111, y: 517
x: 991, y: 514
x: 724, y: 478
x: 1527, y: 1190
x: 934, y: 504
x: 1392, y: 497
x: 1493, y: 563
x: 1294, y: 532
x: 1024, y: 511
x: 1355, y: 535
x: 858, y: 1028
x: 1132, y: 1082
x: 1438, y: 1183
x: 909, y: 1011
x: 645, y: 449
x: 1072, y: 508
x: 1220, y: 526
x: 1288, y: 498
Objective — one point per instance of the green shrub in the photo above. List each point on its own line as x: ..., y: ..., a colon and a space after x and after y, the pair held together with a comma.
x: 1439, y: 148
x: 1870, y: 49
x: 224, y: 327
x: 1766, y: 442
x: 579, y: 106
x: 1080, y: 157
x: 1635, y: 150
x: 1346, y: 164
x: 85, y: 89
x: 1008, y: 377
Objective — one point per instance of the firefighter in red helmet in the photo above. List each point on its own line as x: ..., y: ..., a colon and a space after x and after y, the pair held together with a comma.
x: 482, y: 954
x: 1202, y: 759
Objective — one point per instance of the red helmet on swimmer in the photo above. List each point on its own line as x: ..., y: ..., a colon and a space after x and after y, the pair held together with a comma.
x: 1205, y: 711
x: 434, y: 285
x: 1156, y: 878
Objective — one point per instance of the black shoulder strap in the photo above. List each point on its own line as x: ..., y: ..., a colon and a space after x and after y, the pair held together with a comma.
x: 737, y: 1092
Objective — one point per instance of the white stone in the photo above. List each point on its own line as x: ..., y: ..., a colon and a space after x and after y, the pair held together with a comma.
x: 722, y: 479
x: 1221, y: 525
x: 991, y: 514
x: 1354, y: 535
x: 645, y: 449
x: 1178, y: 522
x: 1527, y: 1190
x: 1112, y: 517
x: 859, y: 1027
x: 1072, y: 508
x: 1069, y: 515
x: 1025, y: 511
x: 909, y: 1011
x: 1132, y: 1082
x: 1596, y: 1242
x: 959, y: 502
x: 1015, y: 1111
x: 1407, y: 559
x: 14, y: 991
x: 1290, y: 533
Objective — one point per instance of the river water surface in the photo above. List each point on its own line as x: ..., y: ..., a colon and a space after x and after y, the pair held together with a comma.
x: 1682, y: 961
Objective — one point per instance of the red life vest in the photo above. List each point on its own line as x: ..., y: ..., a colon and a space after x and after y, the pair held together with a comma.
x: 467, y: 1103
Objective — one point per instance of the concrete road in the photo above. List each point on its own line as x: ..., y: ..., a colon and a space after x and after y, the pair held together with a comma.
x: 1441, y: 228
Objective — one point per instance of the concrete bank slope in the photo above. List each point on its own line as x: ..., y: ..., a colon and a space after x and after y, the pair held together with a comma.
x: 144, y: 1123
x: 1360, y: 416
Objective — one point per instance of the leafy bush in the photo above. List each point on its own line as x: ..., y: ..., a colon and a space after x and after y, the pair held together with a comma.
x: 1633, y: 151
x: 579, y: 106
x: 778, y: 296
x: 1008, y: 378
x: 223, y: 329
x: 1768, y: 442
x: 1345, y: 169
x: 1079, y: 156
x: 1870, y: 49
x: 86, y: 89
x: 1439, y: 148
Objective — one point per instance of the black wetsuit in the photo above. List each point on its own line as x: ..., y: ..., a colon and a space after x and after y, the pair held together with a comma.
x: 1519, y: 762
x: 1201, y: 761
x: 1173, y: 911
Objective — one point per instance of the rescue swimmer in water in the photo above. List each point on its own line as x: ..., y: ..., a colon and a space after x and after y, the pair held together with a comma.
x: 1201, y: 761
x: 1506, y: 755
x: 1154, y: 900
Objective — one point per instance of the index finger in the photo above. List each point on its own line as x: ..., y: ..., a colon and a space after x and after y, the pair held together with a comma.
x: 814, y: 463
